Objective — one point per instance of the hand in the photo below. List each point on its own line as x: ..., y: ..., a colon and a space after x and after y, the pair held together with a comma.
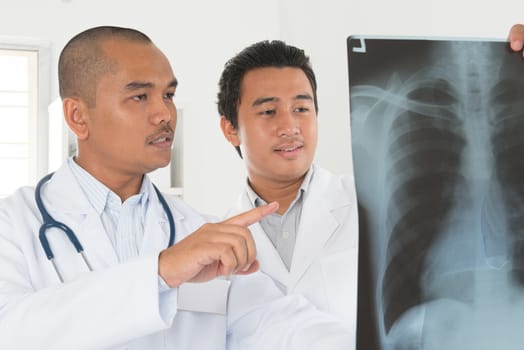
x: 214, y: 250
x: 516, y: 37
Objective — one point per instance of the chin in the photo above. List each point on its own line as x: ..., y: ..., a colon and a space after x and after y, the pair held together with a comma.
x: 293, y: 175
x: 158, y: 165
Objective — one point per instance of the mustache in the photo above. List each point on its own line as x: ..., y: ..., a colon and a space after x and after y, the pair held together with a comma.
x: 165, y: 127
x: 164, y: 130
x: 291, y: 138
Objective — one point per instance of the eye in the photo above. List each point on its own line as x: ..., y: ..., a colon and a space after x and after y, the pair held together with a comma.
x: 169, y: 96
x: 267, y: 112
x: 141, y: 97
x: 301, y: 109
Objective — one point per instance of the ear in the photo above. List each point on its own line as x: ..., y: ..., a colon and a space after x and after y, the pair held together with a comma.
x: 75, y: 115
x: 230, y: 133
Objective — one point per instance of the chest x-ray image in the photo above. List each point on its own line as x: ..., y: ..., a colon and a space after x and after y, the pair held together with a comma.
x: 437, y: 130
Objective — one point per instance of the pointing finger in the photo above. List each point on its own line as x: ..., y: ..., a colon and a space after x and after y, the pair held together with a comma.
x: 254, y: 215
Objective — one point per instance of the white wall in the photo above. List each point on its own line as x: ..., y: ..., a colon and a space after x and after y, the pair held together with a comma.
x: 199, y: 36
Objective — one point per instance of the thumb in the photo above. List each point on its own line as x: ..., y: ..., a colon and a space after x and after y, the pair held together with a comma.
x: 254, y: 215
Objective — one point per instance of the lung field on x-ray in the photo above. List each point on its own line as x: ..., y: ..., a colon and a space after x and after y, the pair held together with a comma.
x: 438, y: 147
x: 423, y: 178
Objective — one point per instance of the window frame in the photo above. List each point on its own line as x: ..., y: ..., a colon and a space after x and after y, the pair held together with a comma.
x: 43, y: 87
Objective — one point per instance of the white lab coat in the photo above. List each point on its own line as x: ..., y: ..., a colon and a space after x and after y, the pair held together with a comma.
x: 117, y: 306
x: 325, y: 260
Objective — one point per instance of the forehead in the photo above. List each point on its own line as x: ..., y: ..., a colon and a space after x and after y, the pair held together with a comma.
x: 136, y: 61
x: 274, y: 81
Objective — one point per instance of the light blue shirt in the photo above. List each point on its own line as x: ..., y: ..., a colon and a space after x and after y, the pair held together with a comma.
x: 123, y: 222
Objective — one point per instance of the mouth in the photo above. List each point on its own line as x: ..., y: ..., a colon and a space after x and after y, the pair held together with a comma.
x: 162, y: 140
x: 289, y: 149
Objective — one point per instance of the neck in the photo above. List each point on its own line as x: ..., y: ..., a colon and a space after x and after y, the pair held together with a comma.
x: 123, y: 185
x: 125, y: 188
x: 282, y: 192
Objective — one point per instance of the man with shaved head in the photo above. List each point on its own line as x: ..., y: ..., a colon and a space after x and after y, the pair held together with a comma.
x: 131, y: 288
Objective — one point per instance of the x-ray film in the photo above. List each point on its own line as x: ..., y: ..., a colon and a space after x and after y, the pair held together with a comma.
x: 437, y: 129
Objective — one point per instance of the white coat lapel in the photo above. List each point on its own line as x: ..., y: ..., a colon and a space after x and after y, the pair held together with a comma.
x: 318, y: 222
x: 267, y: 255
x: 156, y: 225
x: 97, y: 246
x: 67, y: 203
x: 270, y: 261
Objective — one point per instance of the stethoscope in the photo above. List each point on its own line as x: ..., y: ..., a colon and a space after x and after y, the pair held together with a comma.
x: 49, y: 222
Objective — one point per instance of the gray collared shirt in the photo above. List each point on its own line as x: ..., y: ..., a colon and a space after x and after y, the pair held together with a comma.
x: 282, y: 229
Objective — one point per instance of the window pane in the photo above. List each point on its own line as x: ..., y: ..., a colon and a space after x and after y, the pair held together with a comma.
x: 18, y: 118
x: 15, y: 125
x: 15, y: 174
x: 14, y: 99
x: 13, y: 73
x: 13, y: 150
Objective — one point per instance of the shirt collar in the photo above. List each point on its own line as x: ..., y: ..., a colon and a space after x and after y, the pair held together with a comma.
x: 98, y: 194
x: 256, y: 200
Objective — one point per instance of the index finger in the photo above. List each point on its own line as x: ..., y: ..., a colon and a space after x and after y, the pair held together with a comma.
x: 254, y: 215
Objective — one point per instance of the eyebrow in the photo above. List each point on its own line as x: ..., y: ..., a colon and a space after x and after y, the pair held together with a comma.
x: 263, y: 100
x: 307, y: 97
x: 137, y: 85
x: 173, y: 83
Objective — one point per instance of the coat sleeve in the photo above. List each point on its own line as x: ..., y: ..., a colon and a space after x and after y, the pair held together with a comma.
x: 260, y: 317
x: 95, y: 310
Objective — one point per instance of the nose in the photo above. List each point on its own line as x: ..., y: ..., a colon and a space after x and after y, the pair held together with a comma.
x: 162, y: 110
x: 288, y: 124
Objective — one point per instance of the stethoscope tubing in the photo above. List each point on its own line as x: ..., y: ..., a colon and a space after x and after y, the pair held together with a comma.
x: 49, y: 222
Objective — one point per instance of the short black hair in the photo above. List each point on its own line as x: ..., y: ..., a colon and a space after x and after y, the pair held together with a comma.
x: 262, y: 54
x: 82, y: 60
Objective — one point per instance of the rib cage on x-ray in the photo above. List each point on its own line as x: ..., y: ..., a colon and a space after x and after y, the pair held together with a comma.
x: 425, y: 153
x: 508, y: 146
x: 453, y: 160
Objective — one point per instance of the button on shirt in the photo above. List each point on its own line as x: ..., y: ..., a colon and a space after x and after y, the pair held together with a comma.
x: 282, y: 229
